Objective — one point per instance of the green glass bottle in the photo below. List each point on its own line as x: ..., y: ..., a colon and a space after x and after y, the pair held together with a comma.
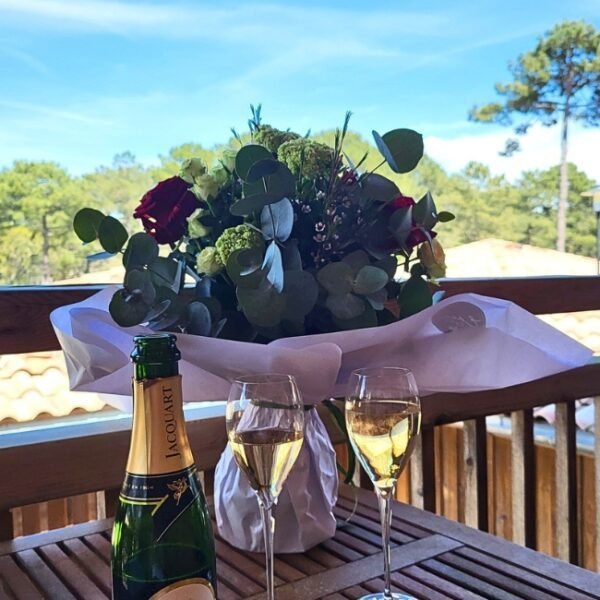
x: 162, y: 540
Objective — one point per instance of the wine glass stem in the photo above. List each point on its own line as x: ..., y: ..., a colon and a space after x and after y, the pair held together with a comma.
x: 385, y: 510
x: 268, y: 522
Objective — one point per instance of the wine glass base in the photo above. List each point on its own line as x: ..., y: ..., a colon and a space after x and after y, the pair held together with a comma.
x: 381, y: 596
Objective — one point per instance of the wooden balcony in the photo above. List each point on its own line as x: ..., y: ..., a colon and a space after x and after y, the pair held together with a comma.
x: 49, y: 464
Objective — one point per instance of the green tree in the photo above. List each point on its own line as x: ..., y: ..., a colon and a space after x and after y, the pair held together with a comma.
x: 539, y: 191
x: 559, y: 80
x: 41, y: 198
x: 117, y: 190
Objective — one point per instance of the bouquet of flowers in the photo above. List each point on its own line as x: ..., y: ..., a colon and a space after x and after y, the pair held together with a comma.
x: 284, y: 236
x: 294, y: 252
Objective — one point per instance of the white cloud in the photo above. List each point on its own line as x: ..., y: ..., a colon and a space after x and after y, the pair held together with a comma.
x: 68, y: 115
x: 540, y: 150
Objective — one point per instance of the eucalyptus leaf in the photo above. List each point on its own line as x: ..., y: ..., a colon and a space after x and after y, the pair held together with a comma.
x: 336, y: 278
x: 247, y: 156
x: 389, y: 264
x: 414, y: 296
x: 249, y: 204
x: 139, y: 282
x: 401, y: 148
x: 368, y: 318
x: 262, y: 168
x: 127, y: 310
x: 425, y: 213
x: 112, y: 235
x: 401, y: 224
x: 263, y: 306
x: 377, y: 299
x: 357, y: 260
x: 370, y: 279
x: 172, y: 314
x: 99, y: 256
x: 277, y: 220
x: 214, y: 308
x: 301, y: 292
x: 445, y: 216
x: 142, y: 250
x: 86, y: 223
x: 292, y: 261
x: 345, y: 306
x: 167, y: 272
x: 197, y: 318
x: 244, y: 267
x: 378, y: 188
x: 268, y: 190
x: 273, y: 265
x: 158, y: 310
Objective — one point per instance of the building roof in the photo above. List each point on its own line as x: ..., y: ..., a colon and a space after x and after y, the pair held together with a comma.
x: 500, y: 258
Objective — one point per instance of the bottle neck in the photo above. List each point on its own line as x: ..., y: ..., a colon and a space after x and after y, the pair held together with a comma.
x: 152, y: 370
x: 159, y: 442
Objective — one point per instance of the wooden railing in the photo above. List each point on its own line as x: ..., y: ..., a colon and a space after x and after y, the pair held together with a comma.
x: 85, y: 460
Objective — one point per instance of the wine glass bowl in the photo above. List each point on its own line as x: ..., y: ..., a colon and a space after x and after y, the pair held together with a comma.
x: 383, y: 419
x: 265, y: 427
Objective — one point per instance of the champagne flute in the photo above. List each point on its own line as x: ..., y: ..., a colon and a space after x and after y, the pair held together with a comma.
x: 265, y: 426
x: 383, y: 418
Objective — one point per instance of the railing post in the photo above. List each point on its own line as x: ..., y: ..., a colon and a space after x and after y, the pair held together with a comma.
x: 597, y: 477
x: 523, y: 478
x: 566, y: 482
x: 422, y: 471
x: 475, y: 463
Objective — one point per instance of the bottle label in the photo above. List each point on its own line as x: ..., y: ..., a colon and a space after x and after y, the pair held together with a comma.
x: 159, y: 443
x: 188, y: 589
x: 169, y: 494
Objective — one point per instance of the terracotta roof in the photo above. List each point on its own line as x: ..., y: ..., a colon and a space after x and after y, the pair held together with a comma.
x: 34, y: 386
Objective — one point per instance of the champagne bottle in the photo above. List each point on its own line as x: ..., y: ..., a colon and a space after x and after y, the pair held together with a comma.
x: 162, y: 540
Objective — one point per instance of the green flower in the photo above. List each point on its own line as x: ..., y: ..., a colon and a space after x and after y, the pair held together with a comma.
x: 195, y: 228
x: 220, y: 174
x: 205, y: 187
x: 191, y: 169
x: 272, y: 138
x: 310, y: 157
x: 228, y: 159
x: 209, y: 262
x: 241, y: 237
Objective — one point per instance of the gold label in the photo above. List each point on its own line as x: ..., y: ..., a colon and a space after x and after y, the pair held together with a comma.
x: 159, y: 442
x: 188, y: 589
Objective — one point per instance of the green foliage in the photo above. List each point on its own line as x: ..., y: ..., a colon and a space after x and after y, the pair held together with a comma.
x: 559, y: 80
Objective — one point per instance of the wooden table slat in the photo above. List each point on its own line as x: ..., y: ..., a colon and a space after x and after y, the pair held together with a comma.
x: 71, y: 574
x: 16, y: 580
x: 505, y: 582
x: 437, y: 583
x: 43, y: 575
x: 337, y: 579
x: 518, y: 572
x: 97, y: 569
x: 468, y: 581
x: 432, y: 559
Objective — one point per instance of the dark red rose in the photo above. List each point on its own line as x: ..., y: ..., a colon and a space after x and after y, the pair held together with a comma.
x: 401, y: 202
x: 165, y: 208
x: 417, y: 235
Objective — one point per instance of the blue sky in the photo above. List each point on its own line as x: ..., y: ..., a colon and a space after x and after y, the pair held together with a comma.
x: 83, y: 80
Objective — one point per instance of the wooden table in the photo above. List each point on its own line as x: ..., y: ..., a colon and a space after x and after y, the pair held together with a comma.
x: 432, y: 558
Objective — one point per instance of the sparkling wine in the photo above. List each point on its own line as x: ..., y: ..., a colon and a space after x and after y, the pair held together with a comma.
x: 162, y: 541
x: 266, y: 456
x: 382, y: 436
